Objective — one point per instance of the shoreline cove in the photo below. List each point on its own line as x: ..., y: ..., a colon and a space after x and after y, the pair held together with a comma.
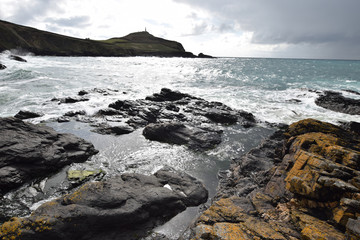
x: 249, y: 131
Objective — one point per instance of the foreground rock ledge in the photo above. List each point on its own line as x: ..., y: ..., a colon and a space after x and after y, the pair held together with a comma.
x: 125, y: 207
x: 302, y: 183
x: 29, y: 151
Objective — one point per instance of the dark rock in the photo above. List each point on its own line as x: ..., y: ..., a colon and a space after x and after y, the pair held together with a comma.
x: 172, y: 107
x: 27, y: 114
x: 63, y: 119
x: 353, y: 228
x: 352, y: 126
x: 190, y: 188
x: 75, y: 113
x: 28, y: 151
x: 17, y: 58
x: 351, y: 91
x: 125, y: 207
x: 114, y: 130
x: 221, y: 116
x: 201, y: 55
x: 73, y: 100
x: 337, y: 102
x: 178, y: 133
x: 101, y: 91
x: 168, y: 95
x: 293, y: 100
x: 69, y: 100
x: 108, y: 112
x: 124, y: 105
x: 2, y: 66
x: 82, y: 93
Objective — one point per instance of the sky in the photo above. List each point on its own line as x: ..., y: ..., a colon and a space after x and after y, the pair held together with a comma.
x: 320, y: 29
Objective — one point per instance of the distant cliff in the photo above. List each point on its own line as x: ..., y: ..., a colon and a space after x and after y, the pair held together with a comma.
x: 39, y: 42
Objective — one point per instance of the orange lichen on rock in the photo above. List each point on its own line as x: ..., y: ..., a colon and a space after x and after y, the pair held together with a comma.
x: 12, y: 229
x: 16, y: 227
x: 314, y: 228
x: 314, y: 193
x: 224, y: 210
x: 324, y: 174
x: 227, y: 219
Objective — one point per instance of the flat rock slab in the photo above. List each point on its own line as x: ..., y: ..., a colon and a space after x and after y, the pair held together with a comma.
x: 125, y: 207
x: 28, y: 151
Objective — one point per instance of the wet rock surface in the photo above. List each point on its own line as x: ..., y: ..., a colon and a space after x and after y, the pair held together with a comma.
x: 335, y: 101
x: 184, y: 114
x: 23, y: 114
x: 178, y: 133
x: 301, y: 183
x: 2, y: 66
x: 70, y: 100
x: 124, y: 207
x: 194, y: 122
x: 28, y: 151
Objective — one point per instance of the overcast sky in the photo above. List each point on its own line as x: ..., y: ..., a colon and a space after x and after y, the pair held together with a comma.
x: 234, y: 28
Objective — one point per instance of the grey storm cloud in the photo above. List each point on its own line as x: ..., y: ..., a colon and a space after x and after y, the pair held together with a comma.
x: 28, y: 11
x: 77, y: 21
x: 319, y: 22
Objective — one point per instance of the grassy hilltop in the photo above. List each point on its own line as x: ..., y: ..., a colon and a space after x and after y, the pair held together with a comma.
x: 46, y: 43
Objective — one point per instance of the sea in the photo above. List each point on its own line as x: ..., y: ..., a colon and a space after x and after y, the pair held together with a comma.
x: 273, y: 90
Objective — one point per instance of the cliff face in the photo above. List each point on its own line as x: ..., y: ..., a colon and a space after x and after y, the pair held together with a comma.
x: 46, y: 43
x: 303, y: 183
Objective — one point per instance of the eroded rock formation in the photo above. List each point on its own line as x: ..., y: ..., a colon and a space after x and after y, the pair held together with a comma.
x: 124, y: 207
x: 28, y: 151
x: 300, y: 184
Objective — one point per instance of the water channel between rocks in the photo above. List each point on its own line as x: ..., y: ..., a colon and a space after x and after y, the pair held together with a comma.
x: 133, y: 153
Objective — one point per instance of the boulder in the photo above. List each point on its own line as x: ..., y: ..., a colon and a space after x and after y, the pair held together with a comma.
x: 17, y: 58
x: 2, y: 66
x: 29, y: 151
x: 22, y: 114
x: 69, y: 100
x: 124, y: 207
x: 74, y: 113
x: 178, y: 133
x: 82, y: 92
x: 335, y: 101
x: 220, y: 116
x: 168, y: 95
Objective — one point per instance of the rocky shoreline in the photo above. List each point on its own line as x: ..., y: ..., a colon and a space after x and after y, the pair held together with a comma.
x: 300, y: 183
